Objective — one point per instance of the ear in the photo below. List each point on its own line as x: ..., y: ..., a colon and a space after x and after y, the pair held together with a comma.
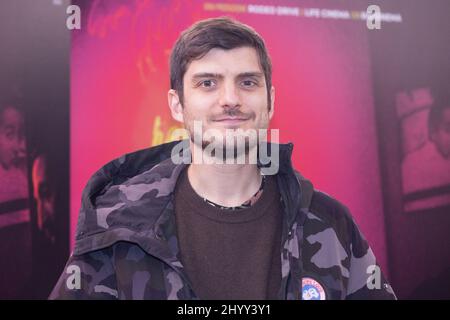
x: 175, y: 106
x: 272, y: 102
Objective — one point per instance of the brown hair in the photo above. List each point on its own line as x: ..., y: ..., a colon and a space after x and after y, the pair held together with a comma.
x: 223, y: 33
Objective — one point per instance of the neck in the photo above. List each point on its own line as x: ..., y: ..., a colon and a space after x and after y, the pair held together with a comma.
x: 225, y: 184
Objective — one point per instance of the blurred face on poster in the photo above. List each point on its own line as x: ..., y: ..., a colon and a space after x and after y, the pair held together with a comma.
x: 440, y: 135
x: 12, y: 139
x: 45, y: 198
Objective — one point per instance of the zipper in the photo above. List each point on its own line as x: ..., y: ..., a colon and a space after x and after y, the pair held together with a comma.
x: 297, y: 295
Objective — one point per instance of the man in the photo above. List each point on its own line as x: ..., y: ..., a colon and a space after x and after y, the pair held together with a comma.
x: 44, y: 195
x: 428, y: 167
x: 48, y: 245
x: 154, y: 228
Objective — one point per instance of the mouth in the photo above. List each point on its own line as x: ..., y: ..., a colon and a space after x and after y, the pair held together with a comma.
x: 231, y: 120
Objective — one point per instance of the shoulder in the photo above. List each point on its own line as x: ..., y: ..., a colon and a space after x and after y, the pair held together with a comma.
x: 125, y: 198
x: 331, y: 219
x: 329, y: 209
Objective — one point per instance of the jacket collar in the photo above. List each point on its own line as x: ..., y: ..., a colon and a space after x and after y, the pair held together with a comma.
x: 131, y: 199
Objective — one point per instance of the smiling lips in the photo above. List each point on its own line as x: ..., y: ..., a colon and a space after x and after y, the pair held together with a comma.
x: 231, y: 119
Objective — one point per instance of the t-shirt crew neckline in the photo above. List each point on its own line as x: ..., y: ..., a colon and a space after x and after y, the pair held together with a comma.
x: 244, y: 215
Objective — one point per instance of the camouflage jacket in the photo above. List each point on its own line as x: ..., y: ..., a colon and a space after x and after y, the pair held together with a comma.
x: 126, y: 244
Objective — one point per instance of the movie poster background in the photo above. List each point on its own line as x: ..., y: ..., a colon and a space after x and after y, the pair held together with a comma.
x: 34, y: 147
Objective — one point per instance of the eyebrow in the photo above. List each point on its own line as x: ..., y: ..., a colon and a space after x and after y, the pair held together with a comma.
x: 201, y: 75
x: 255, y: 74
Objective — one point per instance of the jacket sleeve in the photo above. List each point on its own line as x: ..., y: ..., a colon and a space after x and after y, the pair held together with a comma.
x: 87, y: 276
x: 366, y: 281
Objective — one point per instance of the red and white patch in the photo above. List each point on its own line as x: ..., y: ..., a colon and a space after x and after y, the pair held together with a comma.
x: 312, y: 290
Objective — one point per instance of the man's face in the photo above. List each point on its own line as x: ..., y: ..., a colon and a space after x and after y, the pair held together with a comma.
x: 225, y: 89
x: 441, y: 136
x: 12, y: 142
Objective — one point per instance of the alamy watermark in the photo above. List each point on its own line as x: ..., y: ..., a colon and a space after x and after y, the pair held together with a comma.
x: 373, y: 17
x: 374, y: 278
x: 73, y: 21
x: 73, y: 281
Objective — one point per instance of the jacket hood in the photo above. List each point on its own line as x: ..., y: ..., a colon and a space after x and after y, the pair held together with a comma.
x: 126, y: 199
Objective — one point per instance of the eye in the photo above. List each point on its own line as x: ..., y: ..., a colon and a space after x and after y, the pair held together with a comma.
x: 249, y: 83
x: 207, y: 83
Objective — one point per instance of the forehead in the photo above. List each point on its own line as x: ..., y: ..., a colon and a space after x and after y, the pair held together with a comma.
x: 9, y: 116
x: 226, y: 62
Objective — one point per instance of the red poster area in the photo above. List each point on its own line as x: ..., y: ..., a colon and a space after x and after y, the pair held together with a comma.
x: 324, y: 99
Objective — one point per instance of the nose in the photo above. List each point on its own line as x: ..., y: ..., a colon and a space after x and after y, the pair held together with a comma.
x: 229, y: 96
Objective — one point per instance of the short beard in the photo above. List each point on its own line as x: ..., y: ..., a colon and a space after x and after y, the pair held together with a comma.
x: 236, y: 147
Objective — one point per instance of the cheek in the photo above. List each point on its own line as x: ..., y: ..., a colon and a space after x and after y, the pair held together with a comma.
x: 198, y: 106
x: 259, y: 105
x: 6, y: 146
x: 256, y: 102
